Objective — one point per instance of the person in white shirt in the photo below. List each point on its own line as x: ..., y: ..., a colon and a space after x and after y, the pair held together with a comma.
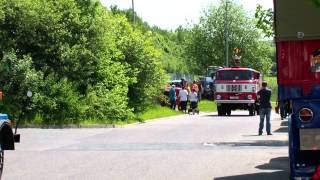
x: 193, y: 97
x: 183, y: 94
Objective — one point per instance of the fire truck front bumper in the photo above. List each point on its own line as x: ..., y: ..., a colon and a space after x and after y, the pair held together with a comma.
x: 246, y: 101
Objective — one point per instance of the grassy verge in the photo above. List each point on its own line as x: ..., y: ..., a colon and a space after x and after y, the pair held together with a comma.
x: 153, y: 112
x: 207, y: 106
x: 158, y: 111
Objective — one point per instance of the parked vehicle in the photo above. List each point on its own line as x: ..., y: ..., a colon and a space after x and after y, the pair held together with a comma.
x: 236, y: 88
x: 7, y: 138
x: 207, y: 87
x: 298, y: 65
x: 211, y: 71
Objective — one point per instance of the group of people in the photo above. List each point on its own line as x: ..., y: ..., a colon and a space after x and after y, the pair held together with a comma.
x: 264, y: 97
x: 185, y: 94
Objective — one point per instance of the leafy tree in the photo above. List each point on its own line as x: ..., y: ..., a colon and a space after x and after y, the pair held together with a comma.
x: 17, y: 76
x: 205, y: 44
x: 264, y: 19
x: 139, y: 54
x: 69, y: 46
x: 167, y: 43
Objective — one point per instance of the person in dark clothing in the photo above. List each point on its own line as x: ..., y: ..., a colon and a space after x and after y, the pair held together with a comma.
x: 264, y: 96
x: 173, y: 97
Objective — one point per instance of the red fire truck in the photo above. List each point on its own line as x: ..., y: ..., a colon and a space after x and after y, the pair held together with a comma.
x: 236, y: 88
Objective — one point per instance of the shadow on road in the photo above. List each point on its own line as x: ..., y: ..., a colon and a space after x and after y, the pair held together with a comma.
x: 267, y: 143
x: 282, y: 130
x: 284, y: 123
x: 283, y: 127
x: 279, y: 165
x: 236, y: 115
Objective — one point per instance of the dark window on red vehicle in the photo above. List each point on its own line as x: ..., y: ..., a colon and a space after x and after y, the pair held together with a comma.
x: 234, y: 75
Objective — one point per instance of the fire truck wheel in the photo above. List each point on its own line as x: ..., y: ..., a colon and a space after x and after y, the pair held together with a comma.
x: 228, y: 111
x: 221, y: 111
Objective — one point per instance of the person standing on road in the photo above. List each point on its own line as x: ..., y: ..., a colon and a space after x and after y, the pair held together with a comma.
x: 173, y: 97
x: 193, y: 97
x: 264, y: 96
x: 183, y: 94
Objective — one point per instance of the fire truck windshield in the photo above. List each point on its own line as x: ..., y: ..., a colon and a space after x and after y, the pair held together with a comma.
x: 235, y: 75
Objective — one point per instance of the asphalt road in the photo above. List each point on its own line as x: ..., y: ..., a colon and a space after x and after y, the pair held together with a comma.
x: 187, y: 147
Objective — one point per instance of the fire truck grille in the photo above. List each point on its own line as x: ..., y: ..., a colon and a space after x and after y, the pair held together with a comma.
x: 234, y: 88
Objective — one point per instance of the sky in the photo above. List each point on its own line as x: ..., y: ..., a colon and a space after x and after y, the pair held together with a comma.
x: 169, y: 14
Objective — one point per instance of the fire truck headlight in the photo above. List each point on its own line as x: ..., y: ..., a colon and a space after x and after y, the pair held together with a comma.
x: 305, y: 114
x: 249, y: 96
x: 218, y: 97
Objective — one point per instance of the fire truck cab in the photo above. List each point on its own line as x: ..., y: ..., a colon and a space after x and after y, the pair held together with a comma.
x: 236, y: 88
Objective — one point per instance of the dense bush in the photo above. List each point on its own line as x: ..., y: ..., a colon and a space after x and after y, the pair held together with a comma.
x: 80, y: 61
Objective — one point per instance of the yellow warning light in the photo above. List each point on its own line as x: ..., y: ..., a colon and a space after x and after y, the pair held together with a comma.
x: 237, y: 51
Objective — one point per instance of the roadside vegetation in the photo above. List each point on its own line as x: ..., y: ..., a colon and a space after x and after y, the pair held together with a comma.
x: 88, y: 64
x: 207, y: 106
x: 158, y: 111
x: 272, y: 84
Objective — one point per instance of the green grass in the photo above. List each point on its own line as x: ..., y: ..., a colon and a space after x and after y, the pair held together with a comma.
x: 272, y: 84
x: 207, y: 106
x: 93, y: 122
x: 158, y: 111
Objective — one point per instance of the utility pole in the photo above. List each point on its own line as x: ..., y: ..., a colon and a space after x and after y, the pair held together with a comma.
x: 133, y: 14
x: 226, y: 33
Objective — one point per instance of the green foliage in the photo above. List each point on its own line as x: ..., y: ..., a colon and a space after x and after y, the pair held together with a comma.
x: 205, y: 44
x: 207, y: 106
x: 80, y: 61
x: 138, y: 53
x: 273, y: 85
x: 163, y: 100
x: 169, y: 44
x: 264, y: 19
x: 316, y: 2
x: 83, y: 62
x: 17, y: 76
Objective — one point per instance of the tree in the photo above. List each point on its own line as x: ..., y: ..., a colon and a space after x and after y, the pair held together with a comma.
x: 206, y: 43
x: 69, y: 48
x: 168, y: 44
x: 264, y: 19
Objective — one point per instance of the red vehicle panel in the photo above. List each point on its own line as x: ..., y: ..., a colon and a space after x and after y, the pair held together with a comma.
x: 299, y: 64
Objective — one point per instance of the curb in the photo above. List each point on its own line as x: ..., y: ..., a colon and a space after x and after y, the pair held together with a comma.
x: 69, y: 126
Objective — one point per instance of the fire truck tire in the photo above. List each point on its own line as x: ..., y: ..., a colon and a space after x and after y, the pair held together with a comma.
x: 228, y: 111
x: 221, y: 111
